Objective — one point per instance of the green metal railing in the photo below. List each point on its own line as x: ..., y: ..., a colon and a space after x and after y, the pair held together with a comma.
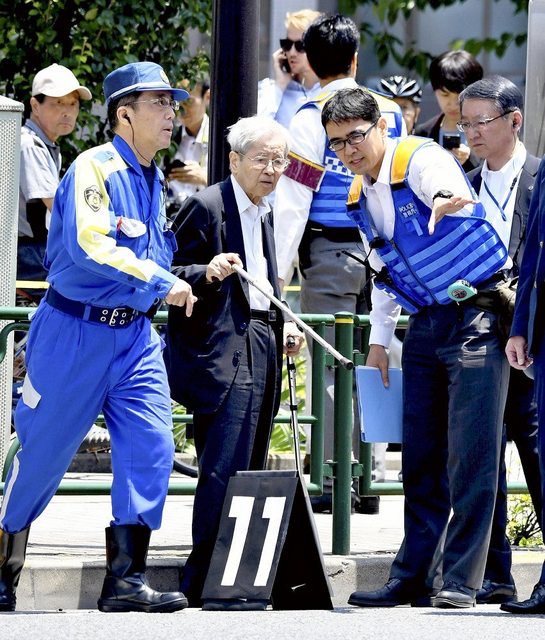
x: 182, y: 486
x: 342, y: 470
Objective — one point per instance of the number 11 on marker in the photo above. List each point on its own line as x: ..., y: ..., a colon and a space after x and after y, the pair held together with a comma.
x: 241, y: 510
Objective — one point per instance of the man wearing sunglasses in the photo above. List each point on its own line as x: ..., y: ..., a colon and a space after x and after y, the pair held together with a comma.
x: 418, y: 213
x: 91, y: 346
x: 491, y: 118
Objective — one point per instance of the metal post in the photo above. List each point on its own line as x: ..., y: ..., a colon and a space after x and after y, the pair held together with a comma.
x: 10, y: 141
x: 318, y: 410
x: 342, y: 444
x: 534, y: 104
x: 233, y: 77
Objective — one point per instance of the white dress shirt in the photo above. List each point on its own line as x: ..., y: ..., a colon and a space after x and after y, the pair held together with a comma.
x: 503, y: 185
x: 293, y: 200
x: 251, y: 218
x: 191, y: 148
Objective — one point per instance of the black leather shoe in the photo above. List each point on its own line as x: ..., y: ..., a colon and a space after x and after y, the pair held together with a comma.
x: 534, y: 604
x: 322, y: 504
x: 369, y: 505
x: 496, y: 592
x: 394, y: 593
x: 454, y: 596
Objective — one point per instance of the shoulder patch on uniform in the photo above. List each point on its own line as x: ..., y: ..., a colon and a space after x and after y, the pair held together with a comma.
x: 304, y: 171
x: 93, y: 197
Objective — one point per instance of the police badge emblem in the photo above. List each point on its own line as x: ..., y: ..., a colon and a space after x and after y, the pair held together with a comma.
x: 93, y: 198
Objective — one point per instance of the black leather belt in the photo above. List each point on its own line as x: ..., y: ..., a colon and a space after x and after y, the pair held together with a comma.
x: 269, y: 316
x: 118, y: 318
x: 335, y: 234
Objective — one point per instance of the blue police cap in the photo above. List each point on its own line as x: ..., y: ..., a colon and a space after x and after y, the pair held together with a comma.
x: 139, y: 76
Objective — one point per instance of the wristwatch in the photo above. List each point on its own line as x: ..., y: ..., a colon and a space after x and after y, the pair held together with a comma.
x: 443, y: 193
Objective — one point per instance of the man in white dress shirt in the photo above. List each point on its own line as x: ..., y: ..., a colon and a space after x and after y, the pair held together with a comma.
x: 424, y: 231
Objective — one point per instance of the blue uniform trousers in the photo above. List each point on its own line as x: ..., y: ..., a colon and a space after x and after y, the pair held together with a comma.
x: 75, y: 370
x: 455, y: 385
x: 234, y: 438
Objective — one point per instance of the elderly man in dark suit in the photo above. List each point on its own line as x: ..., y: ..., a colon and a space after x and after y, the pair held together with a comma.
x: 224, y: 364
x: 491, y: 118
x: 526, y: 346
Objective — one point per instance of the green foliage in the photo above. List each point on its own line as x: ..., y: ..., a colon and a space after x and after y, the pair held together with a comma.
x: 92, y: 38
x: 281, y: 437
x: 386, y: 45
x: 523, y: 527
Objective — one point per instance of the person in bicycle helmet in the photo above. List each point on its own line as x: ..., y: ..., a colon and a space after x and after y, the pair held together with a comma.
x: 406, y: 92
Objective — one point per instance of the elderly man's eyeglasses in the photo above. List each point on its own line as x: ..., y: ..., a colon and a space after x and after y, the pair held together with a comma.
x: 286, y: 44
x: 478, y: 125
x: 163, y: 102
x: 262, y: 162
x: 354, y: 138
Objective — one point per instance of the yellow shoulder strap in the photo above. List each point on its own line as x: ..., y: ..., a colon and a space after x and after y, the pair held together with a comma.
x: 402, y: 155
x: 322, y: 98
x: 384, y: 103
x: 355, y: 190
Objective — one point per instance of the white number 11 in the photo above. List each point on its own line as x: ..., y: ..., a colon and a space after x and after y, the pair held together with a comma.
x: 241, y: 509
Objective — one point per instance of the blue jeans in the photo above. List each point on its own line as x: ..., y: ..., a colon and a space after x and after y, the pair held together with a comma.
x: 455, y: 384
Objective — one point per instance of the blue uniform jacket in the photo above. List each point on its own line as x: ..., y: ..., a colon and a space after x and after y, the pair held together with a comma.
x: 108, y: 244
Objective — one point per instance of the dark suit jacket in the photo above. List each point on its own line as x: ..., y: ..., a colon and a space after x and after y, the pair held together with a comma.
x: 530, y: 303
x: 522, y: 205
x: 203, y: 351
x: 431, y: 128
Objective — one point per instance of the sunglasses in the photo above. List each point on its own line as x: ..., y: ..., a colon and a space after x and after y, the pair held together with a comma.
x: 286, y: 44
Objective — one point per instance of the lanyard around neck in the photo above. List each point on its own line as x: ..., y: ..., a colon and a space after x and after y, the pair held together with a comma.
x: 501, y: 207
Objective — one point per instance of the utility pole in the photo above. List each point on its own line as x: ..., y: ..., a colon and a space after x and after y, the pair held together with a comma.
x: 234, y: 75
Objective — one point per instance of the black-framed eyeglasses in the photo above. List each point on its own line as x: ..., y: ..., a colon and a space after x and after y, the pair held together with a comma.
x: 163, y: 102
x: 286, y: 45
x: 478, y: 125
x: 353, y: 138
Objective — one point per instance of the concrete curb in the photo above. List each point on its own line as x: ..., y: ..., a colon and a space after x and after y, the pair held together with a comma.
x: 71, y: 583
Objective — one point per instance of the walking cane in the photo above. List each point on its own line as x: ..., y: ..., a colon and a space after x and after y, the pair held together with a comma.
x: 348, y: 364
x: 294, y: 421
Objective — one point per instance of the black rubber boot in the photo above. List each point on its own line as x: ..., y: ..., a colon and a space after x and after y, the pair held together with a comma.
x: 12, y: 559
x: 125, y: 587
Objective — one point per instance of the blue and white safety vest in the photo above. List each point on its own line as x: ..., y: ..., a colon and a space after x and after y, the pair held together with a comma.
x: 108, y: 243
x: 420, y: 267
x: 328, y: 203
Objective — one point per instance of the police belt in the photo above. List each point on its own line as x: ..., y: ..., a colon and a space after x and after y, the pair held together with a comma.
x: 117, y: 318
x: 488, y: 297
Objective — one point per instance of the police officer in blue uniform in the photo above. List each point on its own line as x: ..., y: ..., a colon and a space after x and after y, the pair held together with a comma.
x: 427, y: 232
x: 92, y: 347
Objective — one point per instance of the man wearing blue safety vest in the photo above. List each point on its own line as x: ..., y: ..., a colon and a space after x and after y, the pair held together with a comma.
x: 310, y: 203
x: 428, y: 240
x: 92, y: 348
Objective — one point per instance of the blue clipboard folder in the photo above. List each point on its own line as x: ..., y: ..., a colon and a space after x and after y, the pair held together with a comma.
x: 381, y: 408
